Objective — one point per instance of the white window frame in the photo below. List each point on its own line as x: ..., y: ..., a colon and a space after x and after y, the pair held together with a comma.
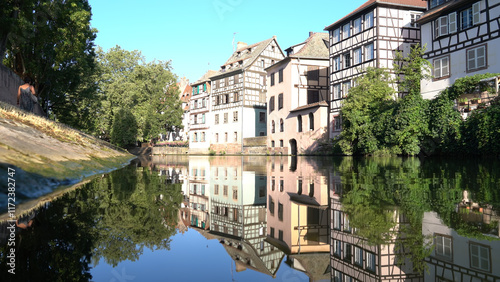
x: 336, y: 63
x: 441, y: 26
x: 476, y: 13
x: 337, y: 93
x: 357, y: 56
x: 474, y: 58
x: 358, y: 256
x: 443, y: 246
x: 337, y: 222
x: 356, y: 26
x: 480, y: 257
x: 368, y: 20
x: 370, y: 261
x: 346, y: 30
x: 346, y: 85
x: 336, y: 35
x: 452, y: 22
x: 369, y: 52
x: 441, y: 67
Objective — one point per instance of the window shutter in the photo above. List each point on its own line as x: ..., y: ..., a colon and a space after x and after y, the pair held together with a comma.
x: 452, y: 20
x: 437, y: 68
x: 475, y: 13
x: 443, y: 25
x: 444, y: 67
x: 471, y: 59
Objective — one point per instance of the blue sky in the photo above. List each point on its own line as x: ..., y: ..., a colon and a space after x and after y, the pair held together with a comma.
x: 197, y: 35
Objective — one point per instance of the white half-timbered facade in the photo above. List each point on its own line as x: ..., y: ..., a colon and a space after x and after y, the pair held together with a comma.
x: 368, y: 37
x: 200, y: 117
x: 462, y: 38
x: 239, y: 95
x: 297, y: 95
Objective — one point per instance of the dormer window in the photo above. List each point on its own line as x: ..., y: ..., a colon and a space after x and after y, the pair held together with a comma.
x: 249, y: 50
x: 238, y: 54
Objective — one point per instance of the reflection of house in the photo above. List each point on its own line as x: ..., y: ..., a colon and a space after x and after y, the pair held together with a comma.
x: 239, y: 95
x: 368, y: 37
x: 459, y: 258
x: 200, y: 118
x: 297, y: 216
x: 353, y: 258
x: 297, y: 95
x: 462, y: 39
x: 238, y: 215
x: 199, y: 184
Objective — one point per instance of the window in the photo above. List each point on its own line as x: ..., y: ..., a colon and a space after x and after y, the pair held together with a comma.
x: 345, y: 88
x: 441, y: 26
x: 236, y: 96
x: 312, y: 96
x: 271, y: 104
x: 195, y: 137
x: 356, y: 26
x: 336, y: 63
x: 205, y: 87
x: 272, y: 79
x: 358, y: 256
x: 369, y: 20
x: 414, y: 18
x: 435, y: 3
x: 441, y: 67
x: 299, y: 123
x: 226, y: 117
x: 272, y: 143
x: 337, y: 248
x: 337, y: 219
x: 216, y: 137
x: 224, y: 191
x: 235, y: 116
x: 282, y: 185
x: 271, y: 205
x: 280, y: 211
x: 262, y: 117
x: 216, y: 189
x: 346, y: 31
x: 347, y: 252
x: 443, y: 247
x: 280, y: 76
x: 476, y: 58
x: 280, y: 101
x: 369, y: 52
x: 479, y: 257
x: 280, y: 235
x: 311, y: 189
x: 336, y: 35
x: 273, y: 127
x: 235, y: 194
x: 203, y: 137
x: 347, y: 60
x: 282, y: 125
x: 281, y: 145
x: 357, y: 56
x: 299, y: 186
x: 336, y: 92
x: 225, y: 136
x: 311, y: 121
x: 235, y: 136
x: 370, y: 261
x: 203, y: 118
x: 338, y: 123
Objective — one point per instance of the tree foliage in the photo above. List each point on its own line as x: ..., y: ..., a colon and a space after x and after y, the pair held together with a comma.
x: 52, y: 42
x: 148, y: 90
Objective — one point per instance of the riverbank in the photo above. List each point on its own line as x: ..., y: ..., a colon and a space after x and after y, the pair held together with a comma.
x: 44, y: 154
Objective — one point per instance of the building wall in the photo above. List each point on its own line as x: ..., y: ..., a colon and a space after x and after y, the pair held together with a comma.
x: 199, y: 131
x: 454, y: 46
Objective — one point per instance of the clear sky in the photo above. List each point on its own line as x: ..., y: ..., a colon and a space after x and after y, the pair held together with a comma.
x: 198, y: 35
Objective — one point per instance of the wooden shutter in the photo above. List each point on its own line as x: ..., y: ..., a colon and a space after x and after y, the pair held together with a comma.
x: 475, y: 13
x: 452, y: 22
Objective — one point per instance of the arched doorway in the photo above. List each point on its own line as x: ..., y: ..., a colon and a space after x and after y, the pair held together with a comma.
x: 293, y: 147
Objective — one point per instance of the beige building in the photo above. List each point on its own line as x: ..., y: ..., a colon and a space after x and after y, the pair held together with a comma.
x: 239, y: 95
x: 368, y: 37
x: 297, y: 98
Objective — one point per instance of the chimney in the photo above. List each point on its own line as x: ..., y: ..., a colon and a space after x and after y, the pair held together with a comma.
x: 241, y: 45
x: 311, y: 33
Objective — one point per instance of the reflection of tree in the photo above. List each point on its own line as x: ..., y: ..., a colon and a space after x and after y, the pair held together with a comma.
x: 379, y: 193
x: 113, y: 217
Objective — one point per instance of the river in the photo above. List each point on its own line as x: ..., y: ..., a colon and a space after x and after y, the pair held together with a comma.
x: 276, y: 218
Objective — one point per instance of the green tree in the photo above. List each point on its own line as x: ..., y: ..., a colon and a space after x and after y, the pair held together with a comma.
x: 124, y: 130
x: 147, y: 89
x: 52, y: 41
x: 365, y: 102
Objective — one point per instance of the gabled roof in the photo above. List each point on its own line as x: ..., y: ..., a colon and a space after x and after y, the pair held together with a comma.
x: 417, y: 4
x: 205, y: 77
x: 439, y: 10
x: 247, y: 55
x: 316, y: 46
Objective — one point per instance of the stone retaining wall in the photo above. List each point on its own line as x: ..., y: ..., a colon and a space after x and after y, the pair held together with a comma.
x: 9, y: 83
x: 170, y: 150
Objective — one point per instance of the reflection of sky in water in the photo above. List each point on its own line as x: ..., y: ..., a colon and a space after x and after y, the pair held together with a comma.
x: 191, y: 258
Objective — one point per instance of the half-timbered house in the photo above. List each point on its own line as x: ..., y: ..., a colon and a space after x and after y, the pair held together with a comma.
x: 368, y: 37
x: 296, y: 98
x: 239, y: 95
x: 200, y: 118
x: 185, y: 97
x: 462, y: 38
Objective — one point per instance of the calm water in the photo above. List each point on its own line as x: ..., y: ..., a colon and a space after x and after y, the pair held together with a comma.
x: 183, y: 218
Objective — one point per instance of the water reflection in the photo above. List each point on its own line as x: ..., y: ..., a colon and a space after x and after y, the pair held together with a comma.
x: 317, y: 219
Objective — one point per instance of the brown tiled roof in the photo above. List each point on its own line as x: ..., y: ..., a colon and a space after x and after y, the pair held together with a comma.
x: 437, y: 11
x: 205, y: 77
x: 316, y: 47
x: 308, y: 106
x: 243, y: 54
x: 420, y: 4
